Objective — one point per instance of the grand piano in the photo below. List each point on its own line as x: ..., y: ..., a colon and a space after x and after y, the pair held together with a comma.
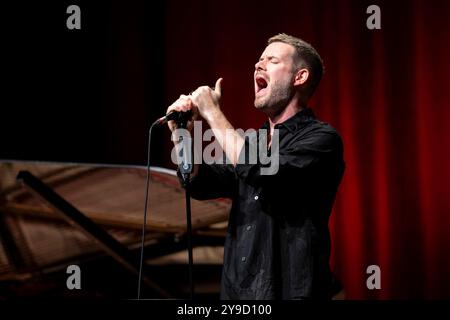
x: 53, y: 215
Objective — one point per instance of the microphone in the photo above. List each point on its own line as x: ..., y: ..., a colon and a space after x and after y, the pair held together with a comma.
x: 180, y: 117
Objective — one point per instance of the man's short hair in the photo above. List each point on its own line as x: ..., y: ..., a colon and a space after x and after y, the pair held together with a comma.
x: 307, y: 57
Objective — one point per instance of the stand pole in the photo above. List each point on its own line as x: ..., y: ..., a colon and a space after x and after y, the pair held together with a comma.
x: 185, y: 167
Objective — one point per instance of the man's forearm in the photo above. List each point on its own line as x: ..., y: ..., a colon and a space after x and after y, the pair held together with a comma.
x: 230, y: 141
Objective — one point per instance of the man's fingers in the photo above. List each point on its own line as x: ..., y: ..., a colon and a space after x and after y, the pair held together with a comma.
x: 218, y: 88
x: 184, y: 103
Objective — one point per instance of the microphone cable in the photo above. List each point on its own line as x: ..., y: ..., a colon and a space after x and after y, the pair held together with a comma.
x: 147, y: 182
x: 181, y: 117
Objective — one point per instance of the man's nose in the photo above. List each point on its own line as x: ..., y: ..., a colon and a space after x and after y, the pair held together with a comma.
x: 260, y: 65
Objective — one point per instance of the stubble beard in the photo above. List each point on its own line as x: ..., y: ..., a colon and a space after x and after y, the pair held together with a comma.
x: 277, y: 99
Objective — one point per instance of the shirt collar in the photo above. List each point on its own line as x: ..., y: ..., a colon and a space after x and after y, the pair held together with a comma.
x: 293, y: 123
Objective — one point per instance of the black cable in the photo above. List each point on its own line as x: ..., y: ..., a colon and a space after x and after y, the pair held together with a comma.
x: 145, y: 209
x: 186, y: 179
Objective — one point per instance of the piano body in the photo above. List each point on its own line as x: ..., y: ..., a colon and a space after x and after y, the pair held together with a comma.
x: 53, y: 215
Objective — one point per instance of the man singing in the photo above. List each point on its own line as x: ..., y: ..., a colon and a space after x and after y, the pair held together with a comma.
x: 278, y: 242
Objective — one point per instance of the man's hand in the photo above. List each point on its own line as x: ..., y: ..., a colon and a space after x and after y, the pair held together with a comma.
x: 207, y: 100
x: 183, y: 104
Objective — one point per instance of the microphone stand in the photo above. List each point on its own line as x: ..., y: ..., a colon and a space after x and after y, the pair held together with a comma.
x: 185, y: 168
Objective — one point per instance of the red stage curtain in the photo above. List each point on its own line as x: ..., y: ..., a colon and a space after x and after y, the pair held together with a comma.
x: 387, y: 93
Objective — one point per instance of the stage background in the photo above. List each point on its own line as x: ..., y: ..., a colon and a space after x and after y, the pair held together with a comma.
x: 90, y: 95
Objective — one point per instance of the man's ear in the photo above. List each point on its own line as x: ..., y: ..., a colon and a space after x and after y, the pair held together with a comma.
x: 301, y: 77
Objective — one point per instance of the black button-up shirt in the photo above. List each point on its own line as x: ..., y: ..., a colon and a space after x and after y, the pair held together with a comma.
x: 278, y: 242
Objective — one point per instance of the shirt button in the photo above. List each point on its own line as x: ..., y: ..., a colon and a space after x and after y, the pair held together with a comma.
x: 243, y: 259
x: 256, y: 197
x: 248, y: 228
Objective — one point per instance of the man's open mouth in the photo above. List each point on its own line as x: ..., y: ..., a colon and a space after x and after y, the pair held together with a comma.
x: 260, y: 83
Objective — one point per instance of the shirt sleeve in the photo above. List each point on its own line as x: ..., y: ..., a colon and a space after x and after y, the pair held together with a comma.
x: 213, y: 181
x: 310, y: 155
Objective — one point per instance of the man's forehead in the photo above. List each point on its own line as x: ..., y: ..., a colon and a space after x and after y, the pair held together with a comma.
x: 278, y: 49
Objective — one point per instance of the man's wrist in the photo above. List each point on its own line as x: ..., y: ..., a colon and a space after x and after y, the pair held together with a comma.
x: 213, y: 116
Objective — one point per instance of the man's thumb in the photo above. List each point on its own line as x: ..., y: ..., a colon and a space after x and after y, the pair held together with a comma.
x: 218, y: 88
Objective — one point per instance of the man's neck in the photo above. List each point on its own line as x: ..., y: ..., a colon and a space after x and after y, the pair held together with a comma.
x: 289, y: 111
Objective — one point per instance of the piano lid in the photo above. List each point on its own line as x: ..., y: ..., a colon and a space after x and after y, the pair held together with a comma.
x: 110, y: 195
